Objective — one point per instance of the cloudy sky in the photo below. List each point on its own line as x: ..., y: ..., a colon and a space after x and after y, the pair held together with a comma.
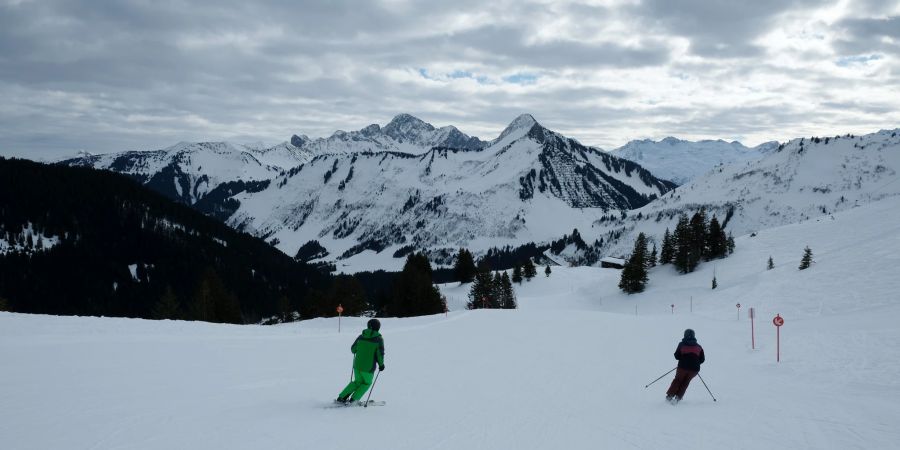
x: 107, y: 76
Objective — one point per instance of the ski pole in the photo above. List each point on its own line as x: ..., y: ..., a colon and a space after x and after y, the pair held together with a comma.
x: 654, y: 381
x: 707, y: 388
x: 372, y: 389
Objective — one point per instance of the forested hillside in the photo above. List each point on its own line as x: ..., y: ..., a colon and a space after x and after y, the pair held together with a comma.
x: 87, y: 242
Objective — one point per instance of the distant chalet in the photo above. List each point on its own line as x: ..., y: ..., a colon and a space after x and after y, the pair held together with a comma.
x: 612, y: 263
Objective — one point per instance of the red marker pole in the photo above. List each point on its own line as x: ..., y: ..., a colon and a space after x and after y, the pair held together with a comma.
x: 739, y: 312
x: 340, y: 309
x: 778, y: 321
x: 673, y: 308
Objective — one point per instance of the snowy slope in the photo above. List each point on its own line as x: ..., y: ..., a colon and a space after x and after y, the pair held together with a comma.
x: 800, y: 180
x: 681, y: 161
x: 187, y: 172
x: 566, y: 370
x: 529, y: 184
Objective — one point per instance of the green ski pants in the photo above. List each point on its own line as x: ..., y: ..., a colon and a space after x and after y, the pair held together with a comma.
x: 359, y: 385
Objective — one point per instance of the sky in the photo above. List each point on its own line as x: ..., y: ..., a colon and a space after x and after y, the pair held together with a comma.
x: 106, y: 76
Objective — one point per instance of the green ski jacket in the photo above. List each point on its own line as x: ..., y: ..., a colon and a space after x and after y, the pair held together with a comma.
x: 369, y: 351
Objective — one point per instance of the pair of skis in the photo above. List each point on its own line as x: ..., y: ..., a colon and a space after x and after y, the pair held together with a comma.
x: 338, y: 404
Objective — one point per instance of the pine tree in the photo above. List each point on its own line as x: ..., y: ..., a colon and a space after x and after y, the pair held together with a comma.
x: 547, y: 271
x: 481, y: 290
x: 651, y: 260
x: 213, y: 302
x: 507, y: 294
x: 698, y: 234
x: 464, y: 269
x: 167, y: 307
x: 347, y: 291
x: 202, y: 306
x: 716, y: 241
x: 496, y: 298
x: 284, y: 308
x: 414, y: 291
x: 714, y: 283
x: 730, y: 244
x: 4, y: 304
x: 665, y: 255
x: 517, y: 274
x: 771, y: 264
x: 634, y: 274
x: 529, y: 271
x: 681, y: 240
x: 806, y: 261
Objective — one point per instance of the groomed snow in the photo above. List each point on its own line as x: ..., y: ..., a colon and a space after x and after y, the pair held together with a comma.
x: 567, y: 370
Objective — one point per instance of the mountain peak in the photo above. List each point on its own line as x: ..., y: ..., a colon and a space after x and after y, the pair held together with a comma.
x: 406, y: 118
x: 519, y: 127
x: 407, y: 127
x: 299, y: 141
x: 671, y: 140
x: 523, y: 121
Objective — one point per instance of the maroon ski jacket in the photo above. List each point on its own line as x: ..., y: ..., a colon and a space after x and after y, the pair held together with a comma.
x: 689, y: 355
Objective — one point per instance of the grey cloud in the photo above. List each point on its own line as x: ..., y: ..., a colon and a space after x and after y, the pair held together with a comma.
x: 868, y: 107
x: 509, y: 44
x: 718, y: 28
x: 866, y: 35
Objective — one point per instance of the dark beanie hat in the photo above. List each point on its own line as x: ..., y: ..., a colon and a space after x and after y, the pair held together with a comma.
x: 689, y: 334
x: 375, y: 325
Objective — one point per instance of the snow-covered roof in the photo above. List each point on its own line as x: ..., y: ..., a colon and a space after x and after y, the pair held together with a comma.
x: 610, y: 259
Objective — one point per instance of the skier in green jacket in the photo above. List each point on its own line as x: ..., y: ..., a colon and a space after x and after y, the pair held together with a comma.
x: 368, y: 351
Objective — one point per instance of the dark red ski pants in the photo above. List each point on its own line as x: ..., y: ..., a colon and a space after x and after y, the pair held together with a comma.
x: 680, y: 384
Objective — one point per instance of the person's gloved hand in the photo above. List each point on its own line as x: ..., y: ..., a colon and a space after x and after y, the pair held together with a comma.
x: 381, y: 367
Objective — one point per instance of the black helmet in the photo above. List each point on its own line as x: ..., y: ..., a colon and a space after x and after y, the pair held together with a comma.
x: 689, y: 334
x: 374, y: 325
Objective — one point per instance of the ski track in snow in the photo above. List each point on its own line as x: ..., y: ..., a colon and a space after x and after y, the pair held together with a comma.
x: 566, y: 370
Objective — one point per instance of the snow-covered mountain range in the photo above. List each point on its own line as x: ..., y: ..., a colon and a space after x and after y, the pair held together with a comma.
x: 188, y: 172
x: 529, y: 184
x: 371, y: 195
x: 803, y: 179
x: 680, y: 161
x: 366, y: 194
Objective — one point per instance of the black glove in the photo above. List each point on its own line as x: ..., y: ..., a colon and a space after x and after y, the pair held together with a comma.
x: 381, y: 367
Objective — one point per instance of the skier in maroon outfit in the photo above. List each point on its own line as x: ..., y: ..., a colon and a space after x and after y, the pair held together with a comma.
x: 689, y: 355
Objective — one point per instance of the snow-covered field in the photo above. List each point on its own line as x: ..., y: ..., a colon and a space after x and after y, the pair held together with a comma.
x: 567, y: 370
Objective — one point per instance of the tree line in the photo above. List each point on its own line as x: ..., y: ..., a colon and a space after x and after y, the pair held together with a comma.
x: 695, y: 239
